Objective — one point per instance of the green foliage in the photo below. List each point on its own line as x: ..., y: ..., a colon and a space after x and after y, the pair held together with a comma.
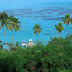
x: 66, y: 19
x: 56, y: 56
x: 39, y: 58
x: 37, y: 29
x: 59, y: 27
x: 3, y: 22
x: 3, y: 19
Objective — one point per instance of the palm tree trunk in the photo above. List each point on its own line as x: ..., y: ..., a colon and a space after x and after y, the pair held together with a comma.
x: 12, y: 36
x: 67, y: 31
x: 15, y: 37
x: 58, y: 46
x: 37, y: 37
x: 5, y: 38
x: 58, y: 38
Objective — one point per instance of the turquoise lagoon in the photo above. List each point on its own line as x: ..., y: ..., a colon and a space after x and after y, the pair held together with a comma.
x: 45, y: 14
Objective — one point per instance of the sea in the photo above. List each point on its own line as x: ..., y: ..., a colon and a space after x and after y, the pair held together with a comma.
x: 46, y: 14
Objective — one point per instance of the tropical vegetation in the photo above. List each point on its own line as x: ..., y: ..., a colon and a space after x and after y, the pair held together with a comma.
x: 11, y: 23
x: 37, y: 29
x: 59, y: 28
x: 55, y: 56
x: 39, y: 58
x: 3, y: 23
x: 67, y: 20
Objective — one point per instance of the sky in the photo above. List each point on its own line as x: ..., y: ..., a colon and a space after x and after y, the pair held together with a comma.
x: 12, y: 4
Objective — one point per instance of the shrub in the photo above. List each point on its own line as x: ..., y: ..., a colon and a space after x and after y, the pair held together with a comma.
x: 49, y: 58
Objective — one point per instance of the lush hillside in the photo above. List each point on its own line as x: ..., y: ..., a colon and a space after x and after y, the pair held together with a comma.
x: 53, y: 57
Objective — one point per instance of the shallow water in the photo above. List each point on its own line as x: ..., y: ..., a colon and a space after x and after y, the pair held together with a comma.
x: 46, y: 15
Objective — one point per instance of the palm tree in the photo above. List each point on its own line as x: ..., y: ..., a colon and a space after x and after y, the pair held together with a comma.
x: 37, y: 30
x: 16, y: 28
x: 10, y: 25
x: 16, y: 25
x: 66, y: 20
x: 59, y: 28
x: 3, y: 20
x: 13, y: 24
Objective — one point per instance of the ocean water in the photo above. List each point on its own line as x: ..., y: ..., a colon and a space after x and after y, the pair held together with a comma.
x: 45, y: 14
